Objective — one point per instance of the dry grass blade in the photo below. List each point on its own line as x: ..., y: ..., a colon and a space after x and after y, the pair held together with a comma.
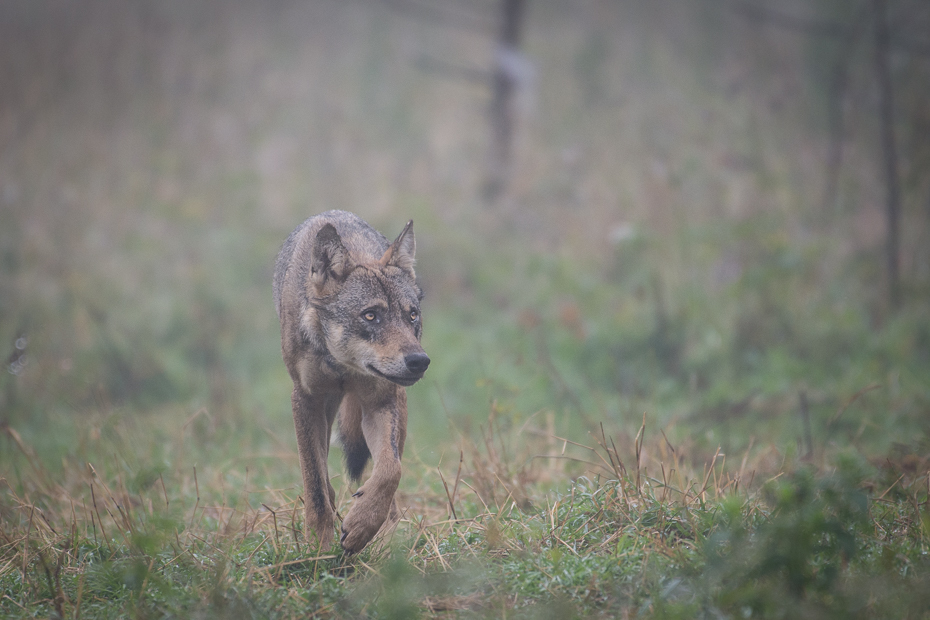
x: 638, y: 444
x: 274, y: 518
x: 458, y: 475
x: 616, y: 465
x: 893, y: 485
x: 26, y: 544
x: 575, y: 459
x: 850, y: 401
x: 478, y: 495
x: 103, y: 531
x: 707, y: 474
x: 448, y: 494
x: 440, y: 604
x: 317, y: 558
x: 28, y: 452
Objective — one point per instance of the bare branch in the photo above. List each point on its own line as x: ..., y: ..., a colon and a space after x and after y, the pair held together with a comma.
x: 452, y: 70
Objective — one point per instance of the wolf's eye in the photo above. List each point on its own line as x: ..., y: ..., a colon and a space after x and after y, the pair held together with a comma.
x: 414, y: 315
x: 370, y: 315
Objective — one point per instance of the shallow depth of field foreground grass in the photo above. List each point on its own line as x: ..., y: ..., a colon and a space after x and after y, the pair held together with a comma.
x: 491, y: 532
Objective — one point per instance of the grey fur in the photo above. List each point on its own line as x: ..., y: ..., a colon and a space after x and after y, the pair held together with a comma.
x: 348, y: 302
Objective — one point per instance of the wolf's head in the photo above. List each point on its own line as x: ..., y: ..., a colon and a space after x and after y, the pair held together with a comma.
x: 369, y: 310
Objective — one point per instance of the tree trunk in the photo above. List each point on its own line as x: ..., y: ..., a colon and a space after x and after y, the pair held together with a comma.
x: 504, y: 86
x: 892, y: 187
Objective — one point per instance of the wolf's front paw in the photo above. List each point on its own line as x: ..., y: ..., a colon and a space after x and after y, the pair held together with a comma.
x: 363, y: 522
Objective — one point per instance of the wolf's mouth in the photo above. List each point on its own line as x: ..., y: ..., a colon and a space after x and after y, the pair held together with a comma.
x: 402, y: 380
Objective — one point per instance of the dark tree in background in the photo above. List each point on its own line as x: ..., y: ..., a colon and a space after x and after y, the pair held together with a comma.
x: 889, y: 150
x: 887, y: 28
x: 508, y: 74
x: 880, y: 44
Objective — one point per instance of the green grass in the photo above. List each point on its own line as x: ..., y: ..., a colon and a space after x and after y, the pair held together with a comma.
x: 131, y: 536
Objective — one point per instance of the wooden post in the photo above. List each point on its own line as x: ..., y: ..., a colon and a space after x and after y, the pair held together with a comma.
x: 504, y: 85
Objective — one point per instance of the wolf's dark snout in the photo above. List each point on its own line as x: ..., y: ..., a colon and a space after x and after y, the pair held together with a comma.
x: 417, y: 362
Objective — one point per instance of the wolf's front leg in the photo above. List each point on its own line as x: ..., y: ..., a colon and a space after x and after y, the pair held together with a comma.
x: 313, y: 419
x: 385, y: 429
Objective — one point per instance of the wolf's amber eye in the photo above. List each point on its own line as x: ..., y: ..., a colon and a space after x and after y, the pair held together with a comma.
x: 369, y: 316
x: 414, y: 315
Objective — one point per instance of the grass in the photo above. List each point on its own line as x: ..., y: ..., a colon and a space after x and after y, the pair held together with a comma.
x: 494, y: 531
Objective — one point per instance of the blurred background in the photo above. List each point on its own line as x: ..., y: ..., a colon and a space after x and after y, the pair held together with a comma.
x: 716, y: 212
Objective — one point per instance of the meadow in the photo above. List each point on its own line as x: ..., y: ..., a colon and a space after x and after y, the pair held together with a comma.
x: 667, y: 381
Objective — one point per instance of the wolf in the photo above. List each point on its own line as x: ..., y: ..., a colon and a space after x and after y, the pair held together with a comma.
x: 349, y: 306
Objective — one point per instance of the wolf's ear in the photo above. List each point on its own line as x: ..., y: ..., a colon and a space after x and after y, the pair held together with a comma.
x: 330, y: 261
x: 401, y: 252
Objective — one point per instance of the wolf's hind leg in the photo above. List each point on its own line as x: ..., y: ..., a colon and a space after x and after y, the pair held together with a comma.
x: 352, y: 438
x: 385, y: 430
x: 313, y: 419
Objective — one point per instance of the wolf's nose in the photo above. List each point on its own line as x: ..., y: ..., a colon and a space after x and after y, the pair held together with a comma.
x: 417, y: 362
